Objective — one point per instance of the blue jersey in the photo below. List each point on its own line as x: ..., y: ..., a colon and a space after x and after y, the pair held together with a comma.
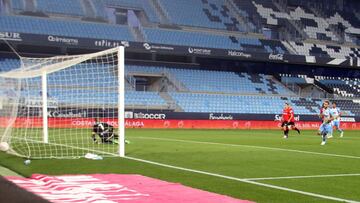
x: 335, y: 113
x: 327, y: 114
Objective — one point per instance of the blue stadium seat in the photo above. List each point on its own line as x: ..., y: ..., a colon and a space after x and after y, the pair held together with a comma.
x: 64, y: 28
x: 208, y: 91
x: 189, y: 38
x: 343, y: 87
x: 65, y: 7
x: 7, y: 64
x: 196, y: 102
x: 138, y: 4
x: 17, y: 5
x: 189, y: 12
x: 234, y: 82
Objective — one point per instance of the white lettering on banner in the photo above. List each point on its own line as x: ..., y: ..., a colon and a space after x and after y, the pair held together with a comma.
x: 88, y: 123
x: 279, y: 118
x: 10, y: 36
x: 81, y: 123
x: 129, y: 114
x: 56, y: 114
x: 65, y: 40
x: 238, y: 53
x: 310, y: 59
x: 277, y: 57
x: 157, y: 116
x: 84, y: 123
x: 220, y: 117
x: 110, y: 43
x: 199, y: 51
x: 136, y: 124
x: 125, y: 43
x: 37, y: 102
x: 148, y: 46
x: 347, y: 119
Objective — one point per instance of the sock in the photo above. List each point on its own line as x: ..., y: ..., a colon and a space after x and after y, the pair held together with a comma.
x: 324, y: 137
x: 286, y: 132
x: 297, y: 130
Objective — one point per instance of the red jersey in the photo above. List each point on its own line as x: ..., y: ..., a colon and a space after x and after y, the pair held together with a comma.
x: 287, y: 113
x: 321, y: 113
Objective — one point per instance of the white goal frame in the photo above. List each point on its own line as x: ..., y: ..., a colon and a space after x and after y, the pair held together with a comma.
x: 43, y: 71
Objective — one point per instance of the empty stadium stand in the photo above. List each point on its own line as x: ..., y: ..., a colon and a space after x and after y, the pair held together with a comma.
x: 234, y: 82
x: 66, y: 7
x: 207, y: 91
x: 217, y: 103
x: 165, y: 36
x: 343, y: 87
x: 333, y: 51
x: 348, y: 107
x: 202, y: 13
x: 25, y: 24
x: 313, y: 20
x: 144, y: 5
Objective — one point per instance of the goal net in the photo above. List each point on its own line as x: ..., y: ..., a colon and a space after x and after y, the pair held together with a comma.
x: 49, y: 106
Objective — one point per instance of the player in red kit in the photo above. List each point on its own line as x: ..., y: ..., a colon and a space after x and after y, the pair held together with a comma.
x: 288, y: 120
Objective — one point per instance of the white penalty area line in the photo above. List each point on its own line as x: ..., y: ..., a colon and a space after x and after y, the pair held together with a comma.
x: 303, y: 177
x: 67, y: 146
x: 249, y: 146
x: 249, y: 181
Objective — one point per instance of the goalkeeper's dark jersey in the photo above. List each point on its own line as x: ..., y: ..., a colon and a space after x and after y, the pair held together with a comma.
x: 100, y: 128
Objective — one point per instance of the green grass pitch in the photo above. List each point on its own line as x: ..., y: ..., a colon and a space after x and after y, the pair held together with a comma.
x: 229, y: 156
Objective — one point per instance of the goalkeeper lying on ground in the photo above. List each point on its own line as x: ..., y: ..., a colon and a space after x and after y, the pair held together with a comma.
x: 105, y: 133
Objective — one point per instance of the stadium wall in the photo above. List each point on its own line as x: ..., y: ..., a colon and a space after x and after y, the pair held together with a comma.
x: 168, y: 123
x: 64, y: 112
x: 64, y: 42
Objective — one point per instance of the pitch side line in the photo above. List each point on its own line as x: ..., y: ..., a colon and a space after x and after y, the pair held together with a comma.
x: 301, y: 177
x: 250, y: 146
x: 226, y: 177
x: 244, y: 181
x: 336, y: 137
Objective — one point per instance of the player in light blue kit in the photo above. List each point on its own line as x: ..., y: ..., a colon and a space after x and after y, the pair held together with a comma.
x: 326, y: 127
x: 336, y: 122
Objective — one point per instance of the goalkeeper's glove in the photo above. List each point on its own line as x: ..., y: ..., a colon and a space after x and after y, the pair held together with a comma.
x: 94, y: 139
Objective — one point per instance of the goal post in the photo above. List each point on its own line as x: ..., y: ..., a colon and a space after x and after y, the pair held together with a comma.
x: 44, y: 107
x: 121, y: 100
x: 49, y: 105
